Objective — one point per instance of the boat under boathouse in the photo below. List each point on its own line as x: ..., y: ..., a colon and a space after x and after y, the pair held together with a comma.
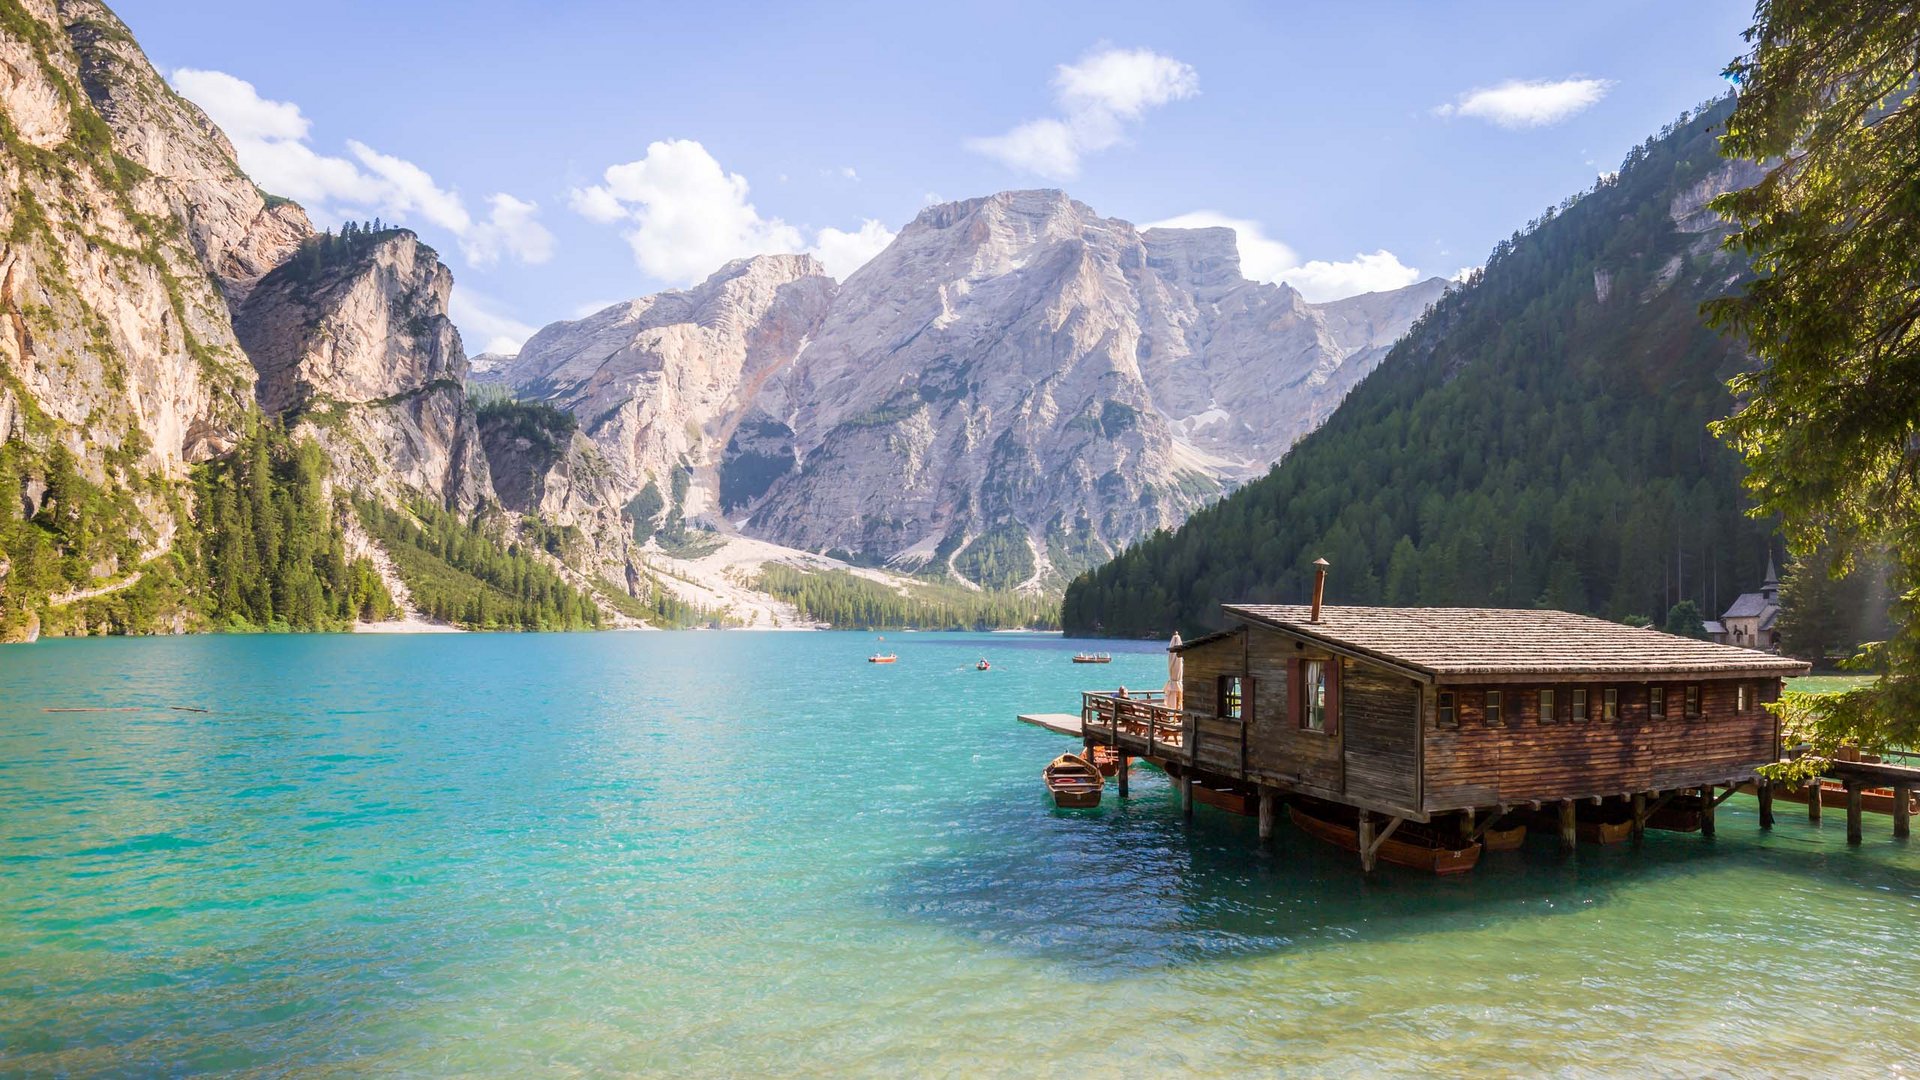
x: 1441, y: 724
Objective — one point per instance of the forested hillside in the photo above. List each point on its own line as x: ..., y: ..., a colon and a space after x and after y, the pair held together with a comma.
x: 1538, y: 438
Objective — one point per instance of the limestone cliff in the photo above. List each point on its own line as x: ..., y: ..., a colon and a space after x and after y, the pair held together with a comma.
x: 1011, y: 389
x: 352, y: 343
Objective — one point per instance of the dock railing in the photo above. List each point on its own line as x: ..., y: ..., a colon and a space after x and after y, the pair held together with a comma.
x: 1143, y: 714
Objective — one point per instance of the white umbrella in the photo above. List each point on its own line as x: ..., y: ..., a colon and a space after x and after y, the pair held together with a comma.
x: 1176, y: 668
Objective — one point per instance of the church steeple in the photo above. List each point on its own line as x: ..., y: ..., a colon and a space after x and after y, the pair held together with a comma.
x: 1770, y: 588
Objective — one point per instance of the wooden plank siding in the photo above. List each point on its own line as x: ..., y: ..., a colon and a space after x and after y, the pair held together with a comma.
x: 1380, y: 732
x: 1524, y: 759
x: 1277, y: 747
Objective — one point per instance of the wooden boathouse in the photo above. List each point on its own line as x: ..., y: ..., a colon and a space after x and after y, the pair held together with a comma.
x: 1452, y: 721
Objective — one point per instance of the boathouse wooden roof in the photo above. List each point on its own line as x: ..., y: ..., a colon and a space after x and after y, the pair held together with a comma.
x: 1452, y: 643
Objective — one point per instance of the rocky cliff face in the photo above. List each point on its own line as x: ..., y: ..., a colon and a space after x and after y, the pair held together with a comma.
x: 1010, y: 390
x: 135, y: 259
x: 352, y: 343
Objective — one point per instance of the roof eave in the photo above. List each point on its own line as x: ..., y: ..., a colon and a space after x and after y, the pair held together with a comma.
x: 1338, y: 648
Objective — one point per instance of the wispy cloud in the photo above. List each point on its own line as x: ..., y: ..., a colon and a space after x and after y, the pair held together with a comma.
x: 484, y: 320
x: 1098, y: 99
x: 1518, y: 104
x: 1263, y: 258
x: 684, y: 216
x: 272, y: 139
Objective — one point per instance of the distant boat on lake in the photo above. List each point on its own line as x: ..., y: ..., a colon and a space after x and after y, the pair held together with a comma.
x: 1092, y: 658
x: 882, y: 658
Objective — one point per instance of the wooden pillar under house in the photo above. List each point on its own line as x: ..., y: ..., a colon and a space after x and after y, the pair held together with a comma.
x: 1126, y: 765
x: 1853, y: 811
x: 1366, y: 842
x: 1466, y: 825
x: 1813, y: 800
x: 1763, y: 790
x: 1902, y: 794
x: 1186, y: 793
x: 1569, y: 832
x: 1267, y: 812
x: 1639, y: 816
x: 1706, y: 810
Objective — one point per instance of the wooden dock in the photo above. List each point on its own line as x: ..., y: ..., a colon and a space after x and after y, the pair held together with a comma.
x: 1057, y: 722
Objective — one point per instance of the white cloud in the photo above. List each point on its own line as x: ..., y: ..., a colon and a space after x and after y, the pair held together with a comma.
x: 844, y: 252
x: 1265, y: 259
x: 686, y: 216
x: 1320, y: 281
x: 481, y: 319
x: 1517, y: 104
x: 1097, y: 98
x: 511, y: 228
x: 271, y: 140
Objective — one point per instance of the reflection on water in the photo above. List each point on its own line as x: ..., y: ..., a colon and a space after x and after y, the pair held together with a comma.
x: 732, y: 853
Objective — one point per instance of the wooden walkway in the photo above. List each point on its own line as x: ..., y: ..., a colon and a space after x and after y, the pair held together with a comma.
x: 1059, y: 723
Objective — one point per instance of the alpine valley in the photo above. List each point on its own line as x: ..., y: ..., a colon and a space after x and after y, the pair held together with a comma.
x: 213, y: 415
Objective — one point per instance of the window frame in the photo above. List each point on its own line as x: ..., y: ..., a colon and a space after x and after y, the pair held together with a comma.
x: 1308, y: 667
x: 1656, y: 702
x: 1580, y: 704
x: 1743, y: 698
x: 1610, y: 703
x: 1238, y: 696
x: 1493, y: 708
x: 1694, y: 702
x: 1548, y: 701
x: 1446, y: 711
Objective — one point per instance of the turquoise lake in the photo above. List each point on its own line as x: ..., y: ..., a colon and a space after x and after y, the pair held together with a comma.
x: 756, y: 854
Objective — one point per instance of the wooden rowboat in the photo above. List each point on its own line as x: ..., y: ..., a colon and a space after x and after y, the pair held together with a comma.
x: 1507, y: 839
x: 882, y: 658
x: 1105, y: 758
x: 1872, y: 800
x: 1233, y: 802
x: 1419, y: 852
x: 1600, y: 831
x: 1074, y: 781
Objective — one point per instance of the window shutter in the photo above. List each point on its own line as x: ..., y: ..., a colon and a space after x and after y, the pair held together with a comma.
x: 1246, y: 701
x: 1294, y: 694
x: 1333, y: 669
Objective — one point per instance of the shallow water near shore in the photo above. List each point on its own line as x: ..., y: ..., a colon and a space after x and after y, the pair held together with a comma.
x: 739, y: 853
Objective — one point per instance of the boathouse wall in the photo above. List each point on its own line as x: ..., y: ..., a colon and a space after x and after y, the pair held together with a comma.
x: 1521, y: 758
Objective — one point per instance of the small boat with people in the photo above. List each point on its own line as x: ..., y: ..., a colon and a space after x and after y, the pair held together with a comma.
x: 1092, y: 658
x: 982, y: 665
x: 882, y: 658
x: 1417, y: 847
x: 1074, y: 782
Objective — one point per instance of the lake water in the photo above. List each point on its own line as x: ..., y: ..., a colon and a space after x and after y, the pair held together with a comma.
x: 756, y: 854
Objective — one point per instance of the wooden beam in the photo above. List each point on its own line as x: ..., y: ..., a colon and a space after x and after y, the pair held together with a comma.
x: 1902, y: 798
x: 1186, y: 793
x: 1126, y: 766
x: 1366, y: 842
x: 1853, y: 811
x: 1469, y: 837
x: 1707, y: 803
x: 1267, y: 815
x: 1732, y: 789
x: 1639, y: 816
x: 1763, y: 789
x: 1569, y: 835
x: 1813, y: 800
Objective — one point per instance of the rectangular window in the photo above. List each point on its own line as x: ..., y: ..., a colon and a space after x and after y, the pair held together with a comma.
x: 1580, y: 705
x: 1657, y: 702
x: 1444, y: 716
x: 1313, y: 687
x: 1743, y: 698
x: 1610, y: 704
x: 1494, y: 715
x: 1546, y: 707
x: 1693, y: 702
x: 1232, y: 698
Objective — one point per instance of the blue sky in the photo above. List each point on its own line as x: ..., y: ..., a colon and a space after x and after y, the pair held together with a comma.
x: 1356, y: 144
